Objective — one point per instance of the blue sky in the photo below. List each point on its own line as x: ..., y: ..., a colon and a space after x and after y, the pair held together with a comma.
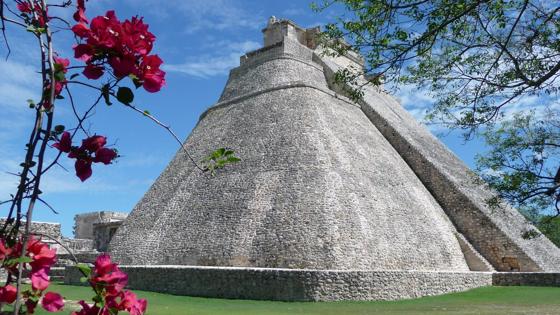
x: 199, y: 41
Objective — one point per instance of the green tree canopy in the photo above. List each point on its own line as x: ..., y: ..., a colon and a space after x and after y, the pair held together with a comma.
x: 474, y: 56
x: 477, y: 58
x: 522, y: 163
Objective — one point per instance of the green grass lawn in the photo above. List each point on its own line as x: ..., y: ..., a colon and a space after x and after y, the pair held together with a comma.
x: 488, y: 300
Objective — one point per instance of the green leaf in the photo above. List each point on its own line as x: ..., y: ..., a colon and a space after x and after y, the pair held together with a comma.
x: 402, y: 35
x: 218, y: 153
x: 83, y: 279
x: 85, y: 269
x: 33, y: 298
x: 135, y: 80
x: 59, y: 128
x: 15, y: 261
x: 125, y: 95
x: 146, y: 113
x: 36, y: 30
x: 59, y: 76
x: 233, y: 159
x: 219, y: 159
x: 105, y: 92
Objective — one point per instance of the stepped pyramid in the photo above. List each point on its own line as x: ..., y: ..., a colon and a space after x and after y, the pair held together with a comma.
x: 333, y: 199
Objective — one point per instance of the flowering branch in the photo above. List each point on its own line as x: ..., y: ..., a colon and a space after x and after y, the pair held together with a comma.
x: 108, y: 49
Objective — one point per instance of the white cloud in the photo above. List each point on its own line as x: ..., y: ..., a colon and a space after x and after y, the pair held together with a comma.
x: 199, y: 15
x: 18, y: 84
x: 220, y: 64
x: 419, y: 101
x: 416, y: 101
x: 540, y: 104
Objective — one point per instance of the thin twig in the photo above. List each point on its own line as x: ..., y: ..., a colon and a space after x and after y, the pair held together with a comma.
x: 169, y: 130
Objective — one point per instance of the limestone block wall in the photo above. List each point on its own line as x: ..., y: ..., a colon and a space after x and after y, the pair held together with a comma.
x: 496, y: 233
x: 83, y: 223
x: 78, y: 245
x: 294, y: 284
x: 546, y: 279
x: 45, y: 228
x: 103, y: 233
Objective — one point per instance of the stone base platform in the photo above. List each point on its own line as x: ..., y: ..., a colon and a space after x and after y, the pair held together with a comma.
x: 313, y: 285
x: 294, y: 284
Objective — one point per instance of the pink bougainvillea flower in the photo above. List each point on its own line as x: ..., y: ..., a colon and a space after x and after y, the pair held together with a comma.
x: 52, y: 302
x: 113, y: 282
x: 4, y: 251
x: 40, y: 280
x: 93, y: 72
x: 65, y: 143
x: 105, y: 31
x: 77, y: 153
x: 103, y: 264
x: 91, y: 151
x: 105, y: 156
x: 43, y: 256
x: 124, y: 46
x: 108, y: 274
x: 59, y: 85
x: 81, y: 30
x: 83, y: 169
x: 80, y: 15
x: 7, y: 294
x: 87, y: 309
x: 94, y: 143
x: 130, y: 303
x: 61, y: 64
x: 24, y: 7
x: 136, y: 36
x: 83, y: 52
x: 153, y: 77
x: 122, y: 66
x: 31, y: 305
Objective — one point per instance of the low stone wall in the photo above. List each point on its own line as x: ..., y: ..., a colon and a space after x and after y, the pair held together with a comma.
x: 547, y: 279
x: 294, y: 284
x: 43, y: 228
x: 79, y: 244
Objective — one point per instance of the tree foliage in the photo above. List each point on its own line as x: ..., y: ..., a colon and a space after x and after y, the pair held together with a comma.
x: 550, y: 226
x: 474, y: 56
x: 522, y: 163
x: 477, y: 58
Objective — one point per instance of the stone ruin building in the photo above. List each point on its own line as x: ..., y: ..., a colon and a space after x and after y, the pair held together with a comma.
x: 333, y: 199
x: 97, y: 228
x: 92, y: 233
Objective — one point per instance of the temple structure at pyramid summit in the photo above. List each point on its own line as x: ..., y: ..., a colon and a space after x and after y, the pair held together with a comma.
x: 333, y: 199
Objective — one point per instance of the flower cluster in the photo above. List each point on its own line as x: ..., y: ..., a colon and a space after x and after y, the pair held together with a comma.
x: 124, y: 46
x: 60, y: 69
x: 38, y: 260
x: 109, y: 282
x: 33, y: 12
x: 92, y: 150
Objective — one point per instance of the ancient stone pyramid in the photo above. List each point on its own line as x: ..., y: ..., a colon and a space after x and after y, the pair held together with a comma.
x: 324, y: 184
